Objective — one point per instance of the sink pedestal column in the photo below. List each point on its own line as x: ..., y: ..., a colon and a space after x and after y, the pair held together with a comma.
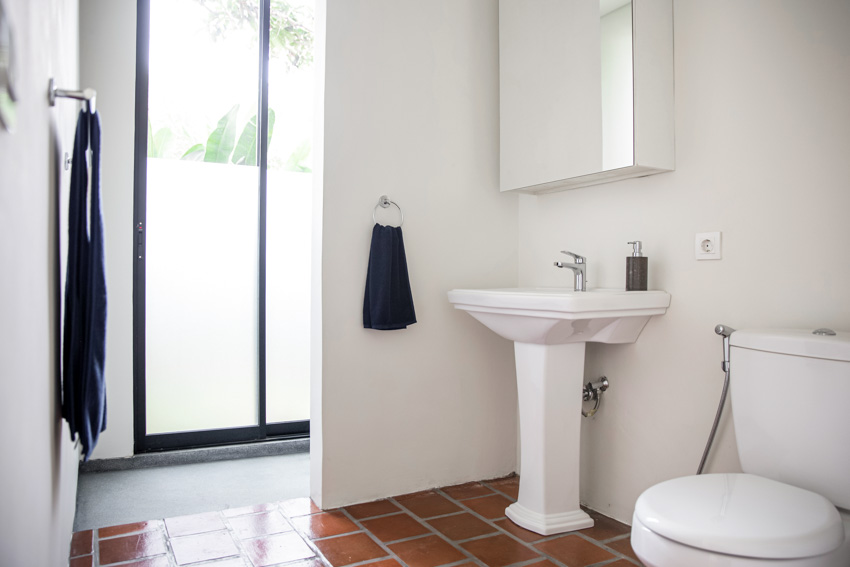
x: 549, y: 382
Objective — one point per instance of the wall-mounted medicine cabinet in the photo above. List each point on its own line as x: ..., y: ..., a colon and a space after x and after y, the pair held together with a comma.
x: 586, y: 92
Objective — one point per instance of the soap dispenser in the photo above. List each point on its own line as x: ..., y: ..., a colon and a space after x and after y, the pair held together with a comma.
x: 636, y: 269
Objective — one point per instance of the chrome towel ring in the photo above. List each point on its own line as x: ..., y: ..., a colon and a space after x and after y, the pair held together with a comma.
x: 385, y: 202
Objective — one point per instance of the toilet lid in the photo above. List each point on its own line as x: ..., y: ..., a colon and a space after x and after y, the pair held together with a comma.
x: 741, y: 514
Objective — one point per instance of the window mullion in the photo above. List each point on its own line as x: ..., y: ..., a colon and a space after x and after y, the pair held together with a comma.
x: 262, y: 162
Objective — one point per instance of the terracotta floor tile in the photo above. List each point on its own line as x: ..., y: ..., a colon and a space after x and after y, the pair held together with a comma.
x: 136, y: 546
x: 604, y: 527
x: 298, y: 507
x: 491, y: 507
x: 255, y: 509
x: 203, y: 547
x: 82, y: 561
x: 370, y: 509
x: 324, y: 524
x: 522, y: 533
x: 427, y: 504
x: 267, y: 535
x: 194, y: 524
x: 509, y: 486
x: 348, y: 549
x: 385, y: 563
x: 280, y: 548
x: 468, y: 490
x: 461, y: 526
x: 429, y: 551
x: 397, y: 526
x: 254, y: 525
x: 499, y: 550
x: 124, y: 529
x: 574, y: 551
x: 547, y: 563
x: 81, y: 543
x: 624, y: 546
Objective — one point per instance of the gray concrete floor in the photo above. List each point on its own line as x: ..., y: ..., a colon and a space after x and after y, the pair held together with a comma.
x: 120, y: 497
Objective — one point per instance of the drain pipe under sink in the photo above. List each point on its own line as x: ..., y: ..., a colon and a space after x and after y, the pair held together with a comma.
x: 724, y: 331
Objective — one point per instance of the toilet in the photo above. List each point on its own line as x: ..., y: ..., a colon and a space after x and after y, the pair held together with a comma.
x: 790, y: 394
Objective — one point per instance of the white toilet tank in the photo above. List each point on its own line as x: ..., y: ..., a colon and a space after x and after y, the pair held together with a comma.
x: 791, y: 408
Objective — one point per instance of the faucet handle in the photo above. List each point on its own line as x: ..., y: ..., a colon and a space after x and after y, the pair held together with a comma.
x: 579, y: 259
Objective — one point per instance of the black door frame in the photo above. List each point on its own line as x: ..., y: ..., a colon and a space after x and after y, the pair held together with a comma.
x: 165, y: 441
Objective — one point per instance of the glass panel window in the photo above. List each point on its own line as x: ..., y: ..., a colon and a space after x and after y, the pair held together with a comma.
x: 289, y: 211
x: 201, y: 326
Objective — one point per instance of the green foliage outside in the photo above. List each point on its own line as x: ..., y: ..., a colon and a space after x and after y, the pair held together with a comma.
x: 222, y: 146
x: 290, y: 31
x: 290, y: 37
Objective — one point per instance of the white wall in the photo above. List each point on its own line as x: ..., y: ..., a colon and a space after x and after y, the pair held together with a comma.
x: 762, y: 128
x: 108, y: 64
x: 411, y: 111
x: 38, y: 478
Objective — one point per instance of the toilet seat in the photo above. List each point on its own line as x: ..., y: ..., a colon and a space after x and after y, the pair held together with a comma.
x: 741, y: 515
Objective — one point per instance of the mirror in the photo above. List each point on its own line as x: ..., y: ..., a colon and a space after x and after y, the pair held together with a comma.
x: 617, y: 96
x: 586, y: 92
x: 8, y: 115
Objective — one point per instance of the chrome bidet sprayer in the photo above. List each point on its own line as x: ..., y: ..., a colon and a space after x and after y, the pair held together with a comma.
x: 724, y: 331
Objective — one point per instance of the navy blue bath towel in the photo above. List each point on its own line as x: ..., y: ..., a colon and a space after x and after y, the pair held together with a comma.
x: 84, y: 341
x: 388, y: 303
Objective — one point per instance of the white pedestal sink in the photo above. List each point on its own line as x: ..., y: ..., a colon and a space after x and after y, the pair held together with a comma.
x: 549, y: 327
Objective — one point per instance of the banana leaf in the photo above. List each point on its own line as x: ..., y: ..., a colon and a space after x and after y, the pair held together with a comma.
x: 246, y: 148
x: 220, y: 143
x: 195, y: 153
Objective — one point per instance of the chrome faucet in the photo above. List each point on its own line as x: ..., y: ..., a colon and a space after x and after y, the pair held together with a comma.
x: 578, y: 268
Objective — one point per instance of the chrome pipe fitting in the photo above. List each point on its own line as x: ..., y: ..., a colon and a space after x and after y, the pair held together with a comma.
x: 593, y: 391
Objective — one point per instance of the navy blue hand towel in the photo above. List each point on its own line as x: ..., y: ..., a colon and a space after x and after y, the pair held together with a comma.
x: 388, y: 303
x: 84, y: 341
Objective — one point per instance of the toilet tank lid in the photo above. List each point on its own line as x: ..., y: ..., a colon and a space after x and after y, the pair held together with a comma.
x: 796, y: 342
x: 741, y: 514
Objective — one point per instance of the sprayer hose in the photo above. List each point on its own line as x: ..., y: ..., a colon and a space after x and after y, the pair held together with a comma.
x: 716, y: 422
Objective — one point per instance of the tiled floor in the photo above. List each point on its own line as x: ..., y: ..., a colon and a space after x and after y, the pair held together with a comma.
x: 457, y: 526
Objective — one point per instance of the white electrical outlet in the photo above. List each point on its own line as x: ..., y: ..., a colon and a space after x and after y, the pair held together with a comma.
x: 707, y: 246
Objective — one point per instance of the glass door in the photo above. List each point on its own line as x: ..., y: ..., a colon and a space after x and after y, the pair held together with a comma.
x: 289, y: 203
x: 214, y: 197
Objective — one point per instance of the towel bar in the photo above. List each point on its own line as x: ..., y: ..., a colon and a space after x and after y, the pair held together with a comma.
x: 385, y: 202
x: 87, y: 95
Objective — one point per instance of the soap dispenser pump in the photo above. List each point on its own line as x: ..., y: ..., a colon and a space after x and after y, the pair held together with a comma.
x: 636, y: 269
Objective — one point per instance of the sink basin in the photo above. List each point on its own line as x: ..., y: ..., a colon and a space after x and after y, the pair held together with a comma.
x: 548, y: 315
x: 549, y: 327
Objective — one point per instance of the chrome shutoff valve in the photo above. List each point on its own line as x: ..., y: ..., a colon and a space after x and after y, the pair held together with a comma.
x: 593, y: 391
